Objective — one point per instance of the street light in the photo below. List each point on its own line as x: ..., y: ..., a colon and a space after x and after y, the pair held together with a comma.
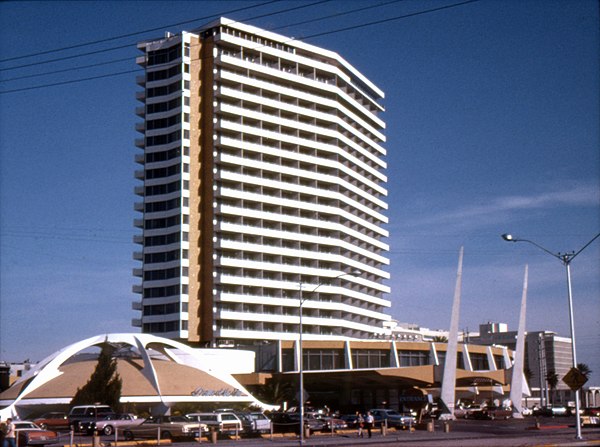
x: 566, y: 259
x: 355, y: 272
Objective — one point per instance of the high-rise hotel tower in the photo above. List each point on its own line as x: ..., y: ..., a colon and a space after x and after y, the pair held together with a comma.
x: 263, y: 190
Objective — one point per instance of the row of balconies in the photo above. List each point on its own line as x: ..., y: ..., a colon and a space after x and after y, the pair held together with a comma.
x: 363, y: 251
x: 284, y: 153
x: 261, y: 140
x: 311, y: 91
x: 257, y: 282
x: 367, y: 224
x: 327, y: 126
x: 306, y: 188
x: 296, y: 71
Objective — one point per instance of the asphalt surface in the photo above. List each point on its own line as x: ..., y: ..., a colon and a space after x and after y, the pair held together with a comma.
x: 460, y: 433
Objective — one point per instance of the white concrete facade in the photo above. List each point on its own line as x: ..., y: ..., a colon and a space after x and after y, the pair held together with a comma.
x: 263, y: 174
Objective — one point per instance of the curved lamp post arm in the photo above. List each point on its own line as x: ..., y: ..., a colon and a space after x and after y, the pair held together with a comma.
x: 511, y: 238
x: 565, y: 258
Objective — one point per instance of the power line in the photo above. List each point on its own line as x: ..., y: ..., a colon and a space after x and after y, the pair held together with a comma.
x: 64, y: 58
x: 112, y: 49
x: 404, y: 16
x: 129, y: 45
x: 137, y: 33
x: 391, y: 19
x: 72, y: 81
x: 36, y: 75
x: 98, y: 64
x: 336, y: 15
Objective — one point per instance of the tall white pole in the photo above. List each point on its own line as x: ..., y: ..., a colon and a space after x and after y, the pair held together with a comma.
x: 448, y: 391
x: 516, y: 385
x: 567, y: 262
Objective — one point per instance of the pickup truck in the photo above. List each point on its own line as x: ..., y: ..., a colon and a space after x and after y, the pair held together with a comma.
x: 254, y: 423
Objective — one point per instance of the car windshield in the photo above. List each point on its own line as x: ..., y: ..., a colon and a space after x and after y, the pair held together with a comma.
x: 25, y: 425
x: 177, y: 419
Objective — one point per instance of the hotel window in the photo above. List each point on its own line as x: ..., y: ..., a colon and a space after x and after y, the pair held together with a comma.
x: 370, y: 358
x: 479, y: 362
x: 413, y: 358
x: 323, y: 359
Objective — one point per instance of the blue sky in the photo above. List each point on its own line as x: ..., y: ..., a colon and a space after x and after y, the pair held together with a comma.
x: 492, y: 112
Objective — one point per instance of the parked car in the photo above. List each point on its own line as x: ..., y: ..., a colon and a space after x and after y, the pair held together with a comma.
x: 110, y: 424
x: 167, y: 427
x: 494, y: 413
x: 225, y: 423
x: 285, y: 422
x: 555, y: 410
x: 82, y: 418
x: 590, y: 416
x: 349, y: 419
x: 28, y: 433
x: 54, y: 420
x: 467, y: 411
x: 254, y: 423
x: 332, y: 423
x: 393, y: 418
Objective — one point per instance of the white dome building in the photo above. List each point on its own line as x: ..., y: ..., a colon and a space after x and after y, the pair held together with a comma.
x: 156, y: 372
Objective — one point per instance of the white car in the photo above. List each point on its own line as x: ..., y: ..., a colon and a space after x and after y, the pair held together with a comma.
x: 526, y: 411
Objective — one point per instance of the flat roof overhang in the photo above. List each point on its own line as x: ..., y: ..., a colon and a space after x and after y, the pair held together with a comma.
x: 425, y: 376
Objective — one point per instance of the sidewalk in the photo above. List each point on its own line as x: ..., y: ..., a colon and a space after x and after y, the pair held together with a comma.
x: 550, y: 435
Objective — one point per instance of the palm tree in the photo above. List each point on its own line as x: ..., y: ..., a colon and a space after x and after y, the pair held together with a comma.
x: 275, y: 392
x: 584, y: 369
x: 552, y: 379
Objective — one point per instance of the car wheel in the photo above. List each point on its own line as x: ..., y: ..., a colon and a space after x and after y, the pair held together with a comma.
x: 108, y: 430
x: 128, y: 435
x: 165, y: 435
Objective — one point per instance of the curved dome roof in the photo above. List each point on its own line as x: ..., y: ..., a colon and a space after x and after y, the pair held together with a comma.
x: 154, y: 370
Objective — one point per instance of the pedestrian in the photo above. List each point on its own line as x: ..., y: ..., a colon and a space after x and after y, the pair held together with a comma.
x: 360, y: 422
x: 9, y: 434
x: 369, y: 422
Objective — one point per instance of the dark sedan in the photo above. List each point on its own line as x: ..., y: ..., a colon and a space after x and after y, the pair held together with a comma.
x: 290, y: 423
x: 54, y: 420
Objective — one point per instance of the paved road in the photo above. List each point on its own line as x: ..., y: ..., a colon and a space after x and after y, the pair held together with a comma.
x: 462, y: 433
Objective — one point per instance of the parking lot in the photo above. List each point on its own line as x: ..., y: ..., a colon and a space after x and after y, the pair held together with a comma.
x: 512, y: 432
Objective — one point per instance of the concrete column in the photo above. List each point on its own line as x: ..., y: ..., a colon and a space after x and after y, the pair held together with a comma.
x: 516, y: 385
x: 448, y: 393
